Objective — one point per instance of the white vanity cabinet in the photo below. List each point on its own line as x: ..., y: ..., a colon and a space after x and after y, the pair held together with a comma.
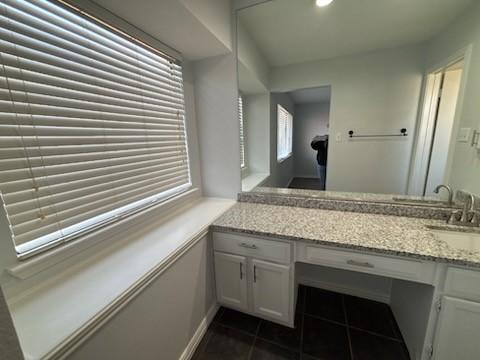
x: 458, y: 328
x: 255, y: 276
x: 271, y: 289
x: 231, y: 280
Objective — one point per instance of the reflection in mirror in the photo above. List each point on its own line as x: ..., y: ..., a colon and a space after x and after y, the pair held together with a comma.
x: 361, y: 97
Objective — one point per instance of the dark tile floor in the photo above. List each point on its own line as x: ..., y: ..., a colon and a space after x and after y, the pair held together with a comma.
x: 306, y: 183
x: 328, y: 326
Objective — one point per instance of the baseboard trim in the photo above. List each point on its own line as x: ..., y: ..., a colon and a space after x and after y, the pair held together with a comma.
x: 199, y: 333
x: 371, y: 295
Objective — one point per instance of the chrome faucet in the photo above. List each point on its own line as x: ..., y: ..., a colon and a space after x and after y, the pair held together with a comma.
x: 468, y: 208
x: 469, y: 215
x: 450, y: 192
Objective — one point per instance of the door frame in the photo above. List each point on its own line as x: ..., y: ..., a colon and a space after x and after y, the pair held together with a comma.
x: 418, y: 169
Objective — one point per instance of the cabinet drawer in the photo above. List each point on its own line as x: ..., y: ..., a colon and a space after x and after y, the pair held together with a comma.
x: 277, y: 251
x: 463, y: 283
x: 406, y: 269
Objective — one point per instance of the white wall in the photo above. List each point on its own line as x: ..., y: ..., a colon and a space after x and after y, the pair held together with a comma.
x: 280, y: 172
x: 159, y: 322
x: 257, y: 132
x: 253, y: 63
x: 465, y: 164
x: 371, y: 93
x: 218, y: 127
x: 310, y: 120
x: 9, y: 346
x: 215, y: 16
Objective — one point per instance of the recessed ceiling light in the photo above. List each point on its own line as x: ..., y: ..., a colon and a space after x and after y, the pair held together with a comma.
x: 322, y: 3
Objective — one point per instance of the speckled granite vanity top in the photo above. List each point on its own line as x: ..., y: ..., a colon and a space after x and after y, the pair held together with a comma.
x: 385, y: 234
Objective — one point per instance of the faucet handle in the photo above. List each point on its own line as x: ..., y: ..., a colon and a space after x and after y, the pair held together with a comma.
x: 475, y: 221
x: 454, y: 217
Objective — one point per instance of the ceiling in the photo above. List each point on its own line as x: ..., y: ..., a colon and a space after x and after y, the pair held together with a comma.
x: 295, y: 31
x: 312, y: 95
x: 196, y: 28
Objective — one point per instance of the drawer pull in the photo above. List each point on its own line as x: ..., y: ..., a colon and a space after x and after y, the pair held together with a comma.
x: 360, y: 263
x: 241, y: 271
x: 248, y: 246
x: 254, y: 273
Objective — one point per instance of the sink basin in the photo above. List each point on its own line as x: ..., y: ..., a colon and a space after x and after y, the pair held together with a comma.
x: 463, y: 240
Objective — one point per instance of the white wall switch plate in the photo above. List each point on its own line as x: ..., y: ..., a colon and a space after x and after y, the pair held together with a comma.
x: 338, y: 137
x: 464, y: 134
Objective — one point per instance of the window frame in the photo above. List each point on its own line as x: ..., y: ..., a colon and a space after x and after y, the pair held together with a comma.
x: 88, y: 9
x: 281, y: 157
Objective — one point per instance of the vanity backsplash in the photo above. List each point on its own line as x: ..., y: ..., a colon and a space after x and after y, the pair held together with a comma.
x: 364, y: 203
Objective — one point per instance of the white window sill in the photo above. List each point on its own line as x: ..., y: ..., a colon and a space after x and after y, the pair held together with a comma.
x: 253, y: 180
x: 31, y: 266
x: 285, y: 158
x: 54, y: 314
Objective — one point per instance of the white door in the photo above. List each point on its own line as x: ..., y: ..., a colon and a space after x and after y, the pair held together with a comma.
x: 271, y: 290
x: 458, y: 331
x: 231, y: 280
x: 443, y: 129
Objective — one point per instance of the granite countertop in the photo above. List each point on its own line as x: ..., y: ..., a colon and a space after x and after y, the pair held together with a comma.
x: 384, y: 234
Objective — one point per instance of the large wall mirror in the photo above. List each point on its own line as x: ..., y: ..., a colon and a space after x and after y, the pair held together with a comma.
x: 373, y: 96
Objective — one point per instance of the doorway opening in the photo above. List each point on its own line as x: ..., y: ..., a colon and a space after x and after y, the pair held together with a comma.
x: 310, y: 137
x: 437, y: 128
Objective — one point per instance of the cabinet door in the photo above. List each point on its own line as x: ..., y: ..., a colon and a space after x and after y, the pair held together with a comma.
x: 271, y: 290
x: 231, y: 280
x: 458, y: 330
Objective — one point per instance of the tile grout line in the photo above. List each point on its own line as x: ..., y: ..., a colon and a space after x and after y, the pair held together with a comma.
x: 250, y: 353
x: 325, y: 319
x: 373, y: 333
x: 348, y: 327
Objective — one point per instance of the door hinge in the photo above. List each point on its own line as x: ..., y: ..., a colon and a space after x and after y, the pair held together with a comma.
x: 438, y: 305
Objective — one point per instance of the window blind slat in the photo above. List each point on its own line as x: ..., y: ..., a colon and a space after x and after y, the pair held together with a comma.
x: 29, y: 45
x: 43, y: 10
x: 55, y: 91
x: 27, y: 119
x: 21, y: 152
x: 47, y: 109
x: 37, y: 101
x: 242, y: 134
x: 18, y: 53
x: 80, y: 140
x: 49, y: 170
x: 62, y: 32
x: 40, y: 161
x: 70, y: 179
x: 92, y: 124
x: 57, y: 203
x: 89, y: 184
x: 39, y: 228
x: 284, y: 133
x: 18, y: 67
x: 35, y: 39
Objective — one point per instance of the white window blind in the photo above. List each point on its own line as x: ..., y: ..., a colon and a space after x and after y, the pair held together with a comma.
x: 92, y: 124
x: 242, y: 136
x: 284, y: 133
